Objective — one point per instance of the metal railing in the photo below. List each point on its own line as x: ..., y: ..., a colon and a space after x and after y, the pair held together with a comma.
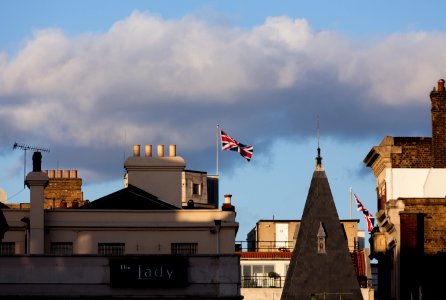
x: 264, y: 246
x: 262, y: 282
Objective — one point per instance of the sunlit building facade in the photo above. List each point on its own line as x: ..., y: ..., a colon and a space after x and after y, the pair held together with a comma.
x: 161, y: 236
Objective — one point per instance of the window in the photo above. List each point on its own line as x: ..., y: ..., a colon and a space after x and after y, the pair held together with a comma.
x: 184, y: 248
x: 257, y: 270
x: 259, y: 276
x: 196, y: 189
x: 61, y: 249
x: 7, y: 248
x: 111, y: 249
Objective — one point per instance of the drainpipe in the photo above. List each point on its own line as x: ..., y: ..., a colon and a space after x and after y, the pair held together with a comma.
x: 26, y: 221
x: 217, y: 231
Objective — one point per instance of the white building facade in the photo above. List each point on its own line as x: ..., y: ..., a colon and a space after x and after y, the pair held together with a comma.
x: 131, y: 243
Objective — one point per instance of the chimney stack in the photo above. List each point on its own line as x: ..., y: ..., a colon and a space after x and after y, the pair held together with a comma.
x: 36, y: 182
x: 438, y: 100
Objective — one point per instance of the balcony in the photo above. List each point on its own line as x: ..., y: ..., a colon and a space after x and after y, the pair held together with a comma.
x: 262, y: 282
x: 264, y: 246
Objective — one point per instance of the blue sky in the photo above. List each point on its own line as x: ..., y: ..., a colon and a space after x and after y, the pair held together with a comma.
x: 88, y: 79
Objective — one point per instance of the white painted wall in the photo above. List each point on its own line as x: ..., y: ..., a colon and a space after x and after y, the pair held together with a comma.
x: 413, y: 182
x: 143, y: 232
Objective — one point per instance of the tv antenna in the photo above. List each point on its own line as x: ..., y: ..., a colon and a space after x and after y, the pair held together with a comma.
x: 24, y: 148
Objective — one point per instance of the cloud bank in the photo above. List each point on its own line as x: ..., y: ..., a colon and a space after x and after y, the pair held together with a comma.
x: 89, y: 98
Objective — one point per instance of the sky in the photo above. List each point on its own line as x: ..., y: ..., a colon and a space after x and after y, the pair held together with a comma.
x: 88, y: 79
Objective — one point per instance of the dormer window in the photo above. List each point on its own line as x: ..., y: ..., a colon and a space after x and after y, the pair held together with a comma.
x: 321, y: 235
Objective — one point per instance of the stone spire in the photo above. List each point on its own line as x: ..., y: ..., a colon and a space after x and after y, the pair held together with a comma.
x: 321, y: 265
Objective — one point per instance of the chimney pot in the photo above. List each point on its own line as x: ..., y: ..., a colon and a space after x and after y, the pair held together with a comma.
x: 66, y: 174
x: 440, y: 86
x: 59, y: 173
x: 160, y: 150
x: 136, y: 150
x: 74, y: 173
x: 172, y: 150
x: 148, y: 150
x: 52, y: 173
x: 227, y: 206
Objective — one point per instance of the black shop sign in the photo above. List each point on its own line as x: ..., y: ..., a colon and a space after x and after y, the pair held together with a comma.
x: 152, y: 272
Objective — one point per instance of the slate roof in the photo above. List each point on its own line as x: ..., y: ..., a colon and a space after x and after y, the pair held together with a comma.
x: 311, y: 272
x: 129, y: 198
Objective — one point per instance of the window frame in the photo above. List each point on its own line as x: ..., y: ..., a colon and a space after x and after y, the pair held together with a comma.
x: 61, y: 248
x: 183, y: 248
x: 111, y: 249
x: 7, y: 248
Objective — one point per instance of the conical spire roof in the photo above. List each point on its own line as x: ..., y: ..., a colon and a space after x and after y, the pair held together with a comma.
x: 321, y: 263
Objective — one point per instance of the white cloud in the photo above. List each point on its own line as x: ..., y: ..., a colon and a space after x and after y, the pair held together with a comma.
x: 171, y: 80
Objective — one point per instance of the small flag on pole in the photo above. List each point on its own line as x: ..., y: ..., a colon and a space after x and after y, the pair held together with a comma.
x: 369, y: 218
x: 228, y: 143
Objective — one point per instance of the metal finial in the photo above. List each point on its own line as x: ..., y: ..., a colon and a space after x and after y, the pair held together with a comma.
x: 318, y: 158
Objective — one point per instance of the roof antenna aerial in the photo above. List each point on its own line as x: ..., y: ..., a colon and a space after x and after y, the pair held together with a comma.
x: 26, y: 147
x: 318, y: 158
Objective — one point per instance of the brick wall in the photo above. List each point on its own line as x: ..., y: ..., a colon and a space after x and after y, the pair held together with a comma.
x: 434, y: 222
x: 416, y: 152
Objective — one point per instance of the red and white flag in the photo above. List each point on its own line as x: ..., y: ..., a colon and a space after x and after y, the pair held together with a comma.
x: 369, y: 218
x: 228, y: 143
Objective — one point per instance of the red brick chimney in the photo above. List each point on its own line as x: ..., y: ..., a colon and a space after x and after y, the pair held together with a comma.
x: 438, y: 99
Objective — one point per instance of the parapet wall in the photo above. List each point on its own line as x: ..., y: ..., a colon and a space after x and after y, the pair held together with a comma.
x: 41, y: 277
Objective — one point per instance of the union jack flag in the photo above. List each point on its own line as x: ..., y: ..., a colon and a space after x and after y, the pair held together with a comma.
x: 228, y: 143
x: 369, y: 218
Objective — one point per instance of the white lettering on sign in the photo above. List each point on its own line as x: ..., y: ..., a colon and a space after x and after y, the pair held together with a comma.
x: 160, y: 272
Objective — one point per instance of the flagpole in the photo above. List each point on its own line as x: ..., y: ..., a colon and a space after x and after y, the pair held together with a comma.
x: 216, y: 161
x: 350, y: 202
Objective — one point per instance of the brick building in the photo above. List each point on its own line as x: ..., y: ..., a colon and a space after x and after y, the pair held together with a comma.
x: 409, y: 240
